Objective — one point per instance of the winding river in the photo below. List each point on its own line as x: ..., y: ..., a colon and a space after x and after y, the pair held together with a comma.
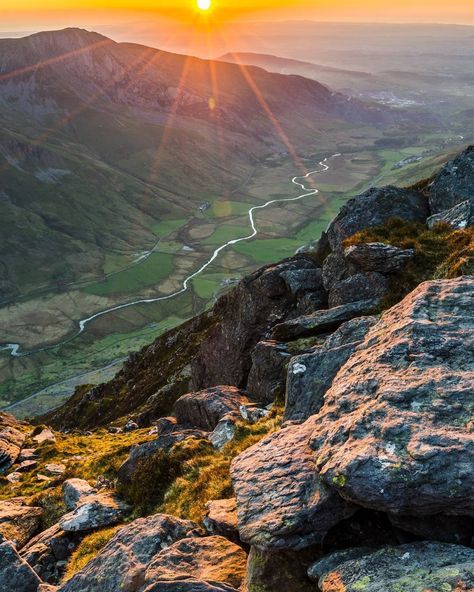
x: 299, y: 181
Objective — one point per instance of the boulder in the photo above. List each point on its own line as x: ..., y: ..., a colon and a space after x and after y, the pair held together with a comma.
x: 224, y: 431
x: 48, y: 552
x: 248, y: 312
x: 337, y: 268
x: 267, y: 378
x: 311, y: 375
x: 54, y: 469
x: 379, y: 257
x: 95, y: 511
x: 44, y: 435
x: 458, y: 217
x: 164, y: 442
x: 281, y: 502
x: 322, y: 321
x: 371, y: 286
x: 74, y: 491
x: 212, y: 559
x: 15, y: 574
x: 221, y: 519
x: 373, y: 208
x: 121, y: 564
x: 395, y: 431
x: 189, y: 586
x: 436, y: 567
x: 11, y: 441
x: 19, y: 522
x: 458, y: 530
x: 454, y: 184
x: 206, y: 408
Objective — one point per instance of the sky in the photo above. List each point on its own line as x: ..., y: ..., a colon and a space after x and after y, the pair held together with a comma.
x: 37, y: 14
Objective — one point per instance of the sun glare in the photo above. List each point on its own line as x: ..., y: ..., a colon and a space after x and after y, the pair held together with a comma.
x: 204, y: 4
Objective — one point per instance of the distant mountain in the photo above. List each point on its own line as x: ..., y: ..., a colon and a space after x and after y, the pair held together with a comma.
x: 101, y: 140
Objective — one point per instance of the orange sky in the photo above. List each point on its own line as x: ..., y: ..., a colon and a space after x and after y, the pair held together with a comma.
x: 38, y: 13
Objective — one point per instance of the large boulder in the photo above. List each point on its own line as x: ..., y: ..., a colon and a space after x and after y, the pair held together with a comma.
x: 371, y: 286
x: 395, y: 431
x: 211, y: 560
x: 15, y: 574
x: 454, y: 183
x: 121, y: 564
x: 373, y: 208
x: 75, y: 491
x: 321, y: 321
x: 281, y: 502
x: 19, y: 522
x: 267, y: 378
x: 221, y: 519
x: 311, y: 375
x: 11, y: 441
x: 414, y: 567
x: 247, y: 314
x: 95, y: 511
x: 206, y: 408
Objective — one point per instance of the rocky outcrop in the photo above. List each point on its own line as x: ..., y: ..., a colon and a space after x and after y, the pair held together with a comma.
x: 311, y: 375
x: 421, y: 566
x: 204, y: 410
x: 15, y: 573
x: 11, y: 441
x: 322, y: 321
x: 374, y: 207
x: 122, y: 563
x: 454, y: 184
x: 395, y: 430
x: 267, y: 378
x: 281, y: 502
x: 209, y: 560
x: 95, y: 511
x: 249, y: 312
x: 370, y: 286
x: 378, y: 257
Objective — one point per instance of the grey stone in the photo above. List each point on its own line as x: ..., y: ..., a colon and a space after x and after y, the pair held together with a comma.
x: 311, y: 375
x: 395, y: 431
x: 436, y: 567
x: 267, y: 378
x: 206, y: 408
x: 224, y: 431
x: 321, y: 321
x: 95, y: 511
x: 379, y: 257
x: 361, y: 286
x: 281, y: 502
x: 121, y: 564
x: 459, y: 217
x: 373, y: 208
x: 454, y: 183
x: 74, y: 491
x: 15, y: 574
x: 211, y: 559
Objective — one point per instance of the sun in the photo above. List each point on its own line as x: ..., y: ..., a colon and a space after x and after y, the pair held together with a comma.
x: 204, y: 4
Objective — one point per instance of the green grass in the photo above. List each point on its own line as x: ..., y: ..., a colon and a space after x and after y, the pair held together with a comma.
x: 227, y: 232
x: 88, y: 548
x: 150, y: 272
x: 167, y: 227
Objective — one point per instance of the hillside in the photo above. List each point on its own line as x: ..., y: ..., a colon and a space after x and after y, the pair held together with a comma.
x: 312, y: 431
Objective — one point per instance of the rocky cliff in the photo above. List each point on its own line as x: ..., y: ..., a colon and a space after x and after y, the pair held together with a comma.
x: 313, y: 431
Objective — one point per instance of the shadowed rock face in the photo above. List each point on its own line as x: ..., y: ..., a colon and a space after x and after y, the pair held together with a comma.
x: 454, y: 184
x: 395, y: 432
x: 374, y: 207
x: 15, y: 573
x: 421, y: 566
x: 11, y: 441
x: 379, y: 257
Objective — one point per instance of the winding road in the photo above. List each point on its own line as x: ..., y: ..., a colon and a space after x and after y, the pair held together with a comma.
x: 299, y: 181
